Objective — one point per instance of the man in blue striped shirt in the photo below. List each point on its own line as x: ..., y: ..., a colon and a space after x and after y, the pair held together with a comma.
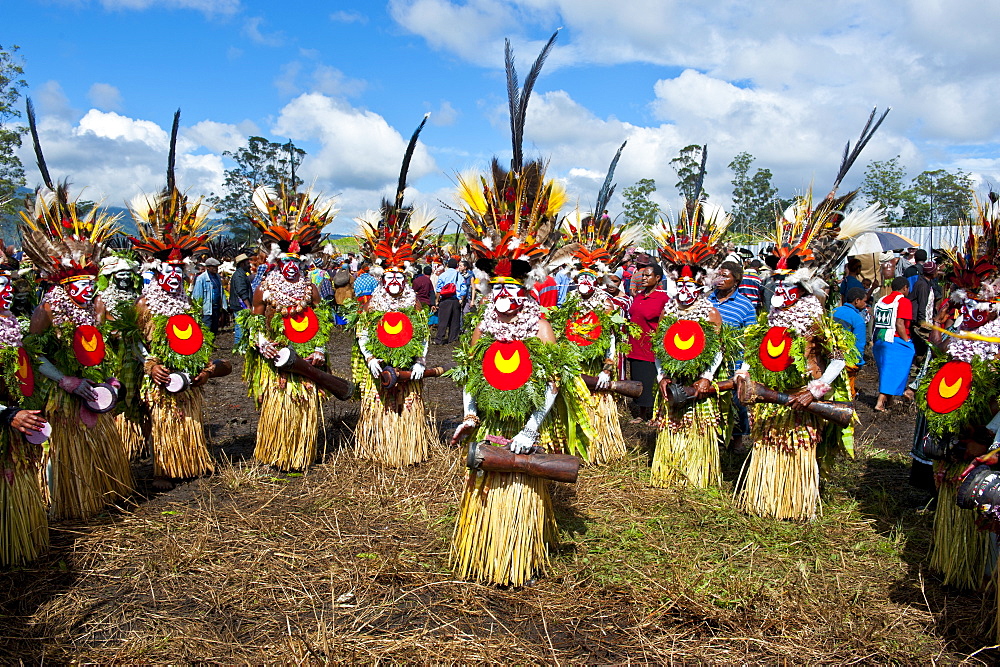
x: 737, y: 312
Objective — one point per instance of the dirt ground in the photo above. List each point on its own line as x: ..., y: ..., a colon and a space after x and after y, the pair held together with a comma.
x: 349, y: 562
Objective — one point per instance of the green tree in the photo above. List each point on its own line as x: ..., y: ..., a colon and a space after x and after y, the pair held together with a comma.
x: 11, y: 170
x: 260, y: 162
x: 687, y: 166
x: 884, y: 184
x: 639, y: 208
x: 754, y: 198
x: 937, y: 197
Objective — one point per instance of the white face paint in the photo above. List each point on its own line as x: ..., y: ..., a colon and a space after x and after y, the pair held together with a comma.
x: 394, y: 282
x: 171, y: 278
x: 586, y: 283
x: 6, y: 292
x: 687, y: 291
x: 82, y: 290
x: 508, y: 297
x: 291, y: 270
x: 785, y: 294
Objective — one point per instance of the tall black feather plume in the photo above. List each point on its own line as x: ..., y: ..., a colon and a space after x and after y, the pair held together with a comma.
x: 850, y: 156
x: 172, y: 156
x: 608, y: 188
x: 401, y: 186
x: 517, y: 100
x: 42, y: 167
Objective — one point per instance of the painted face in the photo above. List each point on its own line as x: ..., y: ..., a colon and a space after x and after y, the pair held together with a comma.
x: 171, y: 278
x: 123, y: 280
x: 508, y: 297
x: 81, y: 290
x: 6, y: 292
x: 291, y: 270
x: 393, y: 282
x: 786, y: 294
x: 973, y: 316
x: 687, y: 291
x: 586, y: 283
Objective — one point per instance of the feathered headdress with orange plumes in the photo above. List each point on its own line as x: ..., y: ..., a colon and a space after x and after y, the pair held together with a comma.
x: 396, y: 235
x: 63, y: 241
x: 510, y: 216
x: 170, y: 227
x: 290, y: 222
x: 973, y: 264
x: 592, y: 242
x: 695, y: 237
x: 820, y: 234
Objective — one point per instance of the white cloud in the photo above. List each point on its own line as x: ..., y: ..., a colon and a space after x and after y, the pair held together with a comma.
x: 252, y: 31
x: 358, y: 148
x: 50, y: 99
x: 444, y: 115
x: 315, y: 77
x: 348, y: 17
x: 105, y: 96
x: 219, y: 137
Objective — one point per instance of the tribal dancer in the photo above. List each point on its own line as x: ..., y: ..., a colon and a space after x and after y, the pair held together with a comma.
x: 588, y: 320
x: 798, y: 349
x: 88, y: 465
x: 118, y: 286
x: 286, y: 314
x: 956, y: 398
x: 392, y: 335
x: 24, y: 528
x: 690, y: 344
x: 511, y: 369
x: 176, y: 351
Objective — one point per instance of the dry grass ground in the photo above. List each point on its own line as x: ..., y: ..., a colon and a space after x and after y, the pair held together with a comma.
x: 349, y: 563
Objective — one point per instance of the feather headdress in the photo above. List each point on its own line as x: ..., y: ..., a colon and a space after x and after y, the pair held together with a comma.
x: 290, y: 222
x: 510, y: 216
x: 62, y: 240
x: 395, y: 235
x: 592, y: 241
x: 972, y: 264
x: 171, y: 228
x: 820, y: 234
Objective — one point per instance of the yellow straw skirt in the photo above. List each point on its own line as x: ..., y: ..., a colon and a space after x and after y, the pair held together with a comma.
x: 505, y: 525
x: 88, y: 468
x: 287, y: 432
x: 960, y: 552
x: 781, y: 478
x: 608, y: 443
x: 24, y: 526
x: 132, y: 437
x: 177, y: 434
x: 687, y: 446
x: 393, y: 427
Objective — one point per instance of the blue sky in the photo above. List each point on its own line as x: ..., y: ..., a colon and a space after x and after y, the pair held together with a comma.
x: 348, y: 81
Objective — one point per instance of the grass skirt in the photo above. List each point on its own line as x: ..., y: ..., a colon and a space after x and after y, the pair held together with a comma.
x: 287, y: 432
x: 89, y: 468
x: 961, y: 553
x: 781, y: 478
x: 24, y: 526
x: 132, y: 437
x: 687, y: 446
x: 393, y: 427
x: 608, y: 443
x: 505, y: 524
x: 180, y: 449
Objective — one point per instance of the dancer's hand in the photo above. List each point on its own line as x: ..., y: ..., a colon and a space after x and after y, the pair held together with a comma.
x: 78, y: 387
x: 27, y: 421
x: 702, y: 388
x: 159, y: 374
x: 800, y: 400
x: 523, y: 441
x: 663, y: 383
x: 603, y: 380
x: 375, y: 366
x: 464, y: 429
x: 417, y: 371
x: 268, y: 349
x: 316, y: 358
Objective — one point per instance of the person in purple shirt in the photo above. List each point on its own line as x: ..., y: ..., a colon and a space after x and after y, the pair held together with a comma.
x: 423, y: 287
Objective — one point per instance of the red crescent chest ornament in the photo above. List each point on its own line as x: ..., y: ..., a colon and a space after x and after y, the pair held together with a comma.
x: 684, y: 340
x: 949, y: 387
x: 775, y: 351
x: 507, y: 364
x: 394, y: 329
x: 88, y: 345
x: 584, y: 330
x: 303, y: 327
x: 25, y: 373
x: 184, y: 335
